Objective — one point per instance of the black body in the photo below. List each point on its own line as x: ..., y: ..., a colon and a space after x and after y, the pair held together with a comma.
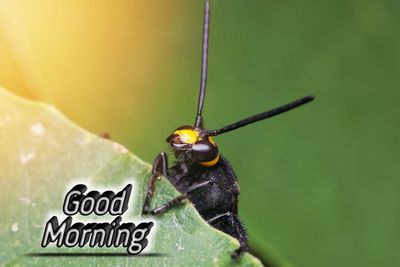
x: 213, y: 191
x: 219, y: 197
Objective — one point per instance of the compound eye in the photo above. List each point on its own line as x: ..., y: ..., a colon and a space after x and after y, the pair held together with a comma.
x: 204, y: 151
x: 174, y: 139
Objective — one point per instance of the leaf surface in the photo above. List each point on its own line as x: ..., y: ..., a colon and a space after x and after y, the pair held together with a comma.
x: 43, y: 155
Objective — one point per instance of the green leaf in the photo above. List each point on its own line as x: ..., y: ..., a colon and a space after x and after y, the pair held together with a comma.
x: 43, y: 154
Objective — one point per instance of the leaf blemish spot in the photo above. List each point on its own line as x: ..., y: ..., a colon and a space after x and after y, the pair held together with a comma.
x: 25, y: 157
x: 38, y: 129
x: 14, y: 227
x: 120, y: 148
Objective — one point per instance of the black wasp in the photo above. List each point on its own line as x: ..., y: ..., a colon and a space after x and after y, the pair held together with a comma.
x: 201, y: 174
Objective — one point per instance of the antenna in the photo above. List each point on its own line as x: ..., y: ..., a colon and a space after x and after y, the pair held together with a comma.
x: 204, y: 60
x: 260, y: 116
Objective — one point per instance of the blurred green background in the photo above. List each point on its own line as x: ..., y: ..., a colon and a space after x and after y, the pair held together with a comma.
x: 320, y: 185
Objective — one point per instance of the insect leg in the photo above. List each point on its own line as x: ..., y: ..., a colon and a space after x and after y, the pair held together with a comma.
x: 180, y: 198
x: 241, y: 237
x: 169, y: 204
x: 219, y: 217
x: 237, y: 225
x: 160, y: 167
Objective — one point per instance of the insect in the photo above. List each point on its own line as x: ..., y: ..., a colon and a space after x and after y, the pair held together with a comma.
x: 201, y: 174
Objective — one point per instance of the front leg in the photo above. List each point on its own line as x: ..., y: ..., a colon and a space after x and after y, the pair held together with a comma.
x: 180, y: 198
x: 160, y: 168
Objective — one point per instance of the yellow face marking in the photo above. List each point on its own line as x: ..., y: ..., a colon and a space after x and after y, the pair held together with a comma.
x: 188, y: 136
x: 210, y: 163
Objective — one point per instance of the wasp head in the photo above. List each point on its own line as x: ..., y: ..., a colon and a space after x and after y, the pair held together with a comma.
x: 191, y: 141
